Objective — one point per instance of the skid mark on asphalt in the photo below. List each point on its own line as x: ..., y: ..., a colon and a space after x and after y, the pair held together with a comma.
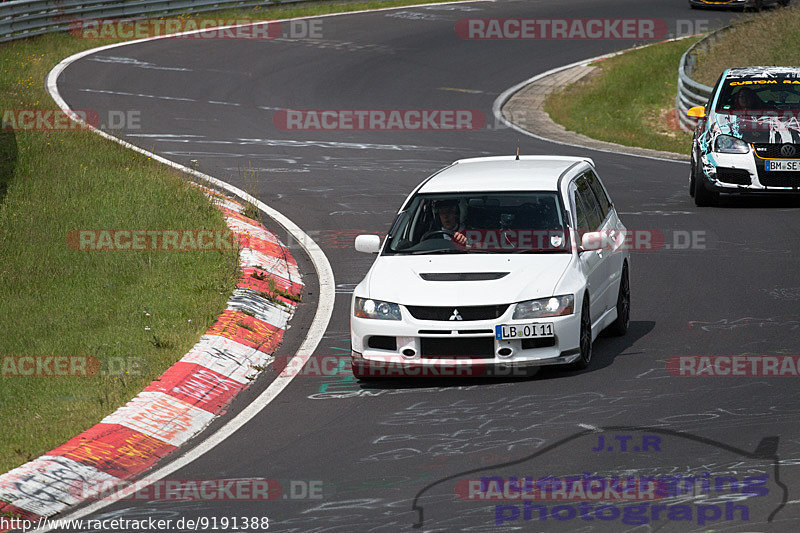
x: 789, y: 293
x: 135, y: 63
x: 328, y: 44
x: 415, y: 15
x: 725, y: 324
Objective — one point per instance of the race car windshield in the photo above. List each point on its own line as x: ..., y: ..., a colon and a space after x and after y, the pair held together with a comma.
x: 514, y: 222
x: 759, y: 96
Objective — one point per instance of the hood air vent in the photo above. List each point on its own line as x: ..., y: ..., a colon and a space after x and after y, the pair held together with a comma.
x: 463, y: 276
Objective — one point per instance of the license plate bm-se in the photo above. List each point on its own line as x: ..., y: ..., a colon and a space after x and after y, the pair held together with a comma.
x: 791, y: 166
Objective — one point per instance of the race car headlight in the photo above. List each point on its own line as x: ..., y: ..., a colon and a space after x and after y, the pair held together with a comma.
x: 368, y: 308
x: 545, y: 307
x: 725, y: 144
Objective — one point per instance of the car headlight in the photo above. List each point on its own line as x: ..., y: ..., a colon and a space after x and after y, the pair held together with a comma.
x: 545, y: 307
x: 369, y: 308
x: 726, y: 144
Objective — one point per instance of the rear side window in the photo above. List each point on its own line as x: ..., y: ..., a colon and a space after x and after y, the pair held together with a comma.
x: 599, y: 193
x: 586, y: 206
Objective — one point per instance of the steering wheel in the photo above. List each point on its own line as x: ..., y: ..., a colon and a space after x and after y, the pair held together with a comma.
x: 433, y: 233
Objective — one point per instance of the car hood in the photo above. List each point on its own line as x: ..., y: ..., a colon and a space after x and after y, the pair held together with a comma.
x: 465, y: 280
x: 759, y: 128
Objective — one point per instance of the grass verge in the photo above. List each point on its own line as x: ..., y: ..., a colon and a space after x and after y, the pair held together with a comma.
x: 629, y: 101
x: 766, y: 38
x: 136, y: 312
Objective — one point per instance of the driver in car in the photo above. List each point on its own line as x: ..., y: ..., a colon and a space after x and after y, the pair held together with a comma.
x: 452, y: 229
x: 746, y: 99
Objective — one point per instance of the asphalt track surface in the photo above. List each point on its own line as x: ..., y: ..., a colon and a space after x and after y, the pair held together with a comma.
x: 390, y: 455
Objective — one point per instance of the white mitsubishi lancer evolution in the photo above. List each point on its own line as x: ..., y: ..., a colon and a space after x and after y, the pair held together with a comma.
x: 493, y: 263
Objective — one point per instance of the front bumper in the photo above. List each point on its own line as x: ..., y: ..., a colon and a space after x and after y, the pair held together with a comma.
x: 722, y: 3
x: 444, y: 368
x: 415, y: 344
x: 746, y: 174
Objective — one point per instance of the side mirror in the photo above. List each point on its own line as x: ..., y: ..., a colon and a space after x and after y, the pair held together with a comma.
x: 696, y: 112
x: 369, y: 244
x: 591, y: 240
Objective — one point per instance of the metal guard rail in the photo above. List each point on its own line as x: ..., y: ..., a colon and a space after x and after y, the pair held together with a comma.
x: 691, y: 93
x: 26, y: 18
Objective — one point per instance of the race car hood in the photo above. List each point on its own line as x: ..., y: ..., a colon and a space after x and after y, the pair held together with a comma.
x: 479, y: 279
x: 767, y: 128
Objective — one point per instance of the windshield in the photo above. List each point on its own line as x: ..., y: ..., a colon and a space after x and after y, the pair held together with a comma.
x: 513, y: 222
x: 759, y: 96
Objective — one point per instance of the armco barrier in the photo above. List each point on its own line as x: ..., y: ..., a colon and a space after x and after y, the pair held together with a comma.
x: 691, y: 93
x: 25, y: 18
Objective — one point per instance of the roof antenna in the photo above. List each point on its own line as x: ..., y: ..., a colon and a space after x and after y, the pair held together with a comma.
x: 517, y: 152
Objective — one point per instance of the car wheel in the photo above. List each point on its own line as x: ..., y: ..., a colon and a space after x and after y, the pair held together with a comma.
x: 620, y: 326
x: 702, y: 196
x: 585, y: 338
x: 692, y: 182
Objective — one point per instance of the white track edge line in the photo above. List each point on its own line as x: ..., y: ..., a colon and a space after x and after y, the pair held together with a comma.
x: 508, y: 93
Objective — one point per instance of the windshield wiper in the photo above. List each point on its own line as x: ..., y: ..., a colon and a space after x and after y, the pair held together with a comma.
x: 542, y: 251
x: 439, y: 251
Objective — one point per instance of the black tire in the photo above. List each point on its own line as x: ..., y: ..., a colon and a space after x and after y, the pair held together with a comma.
x: 585, y: 338
x: 702, y: 196
x: 619, y: 327
x: 692, y: 180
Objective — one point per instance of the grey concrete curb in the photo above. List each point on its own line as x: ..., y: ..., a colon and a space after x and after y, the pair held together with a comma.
x: 525, y: 109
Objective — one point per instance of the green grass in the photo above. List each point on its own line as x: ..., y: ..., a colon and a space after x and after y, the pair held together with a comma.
x: 627, y: 103
x: 630, y: 101
x: 767, y: 38
x: 145, y: 309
